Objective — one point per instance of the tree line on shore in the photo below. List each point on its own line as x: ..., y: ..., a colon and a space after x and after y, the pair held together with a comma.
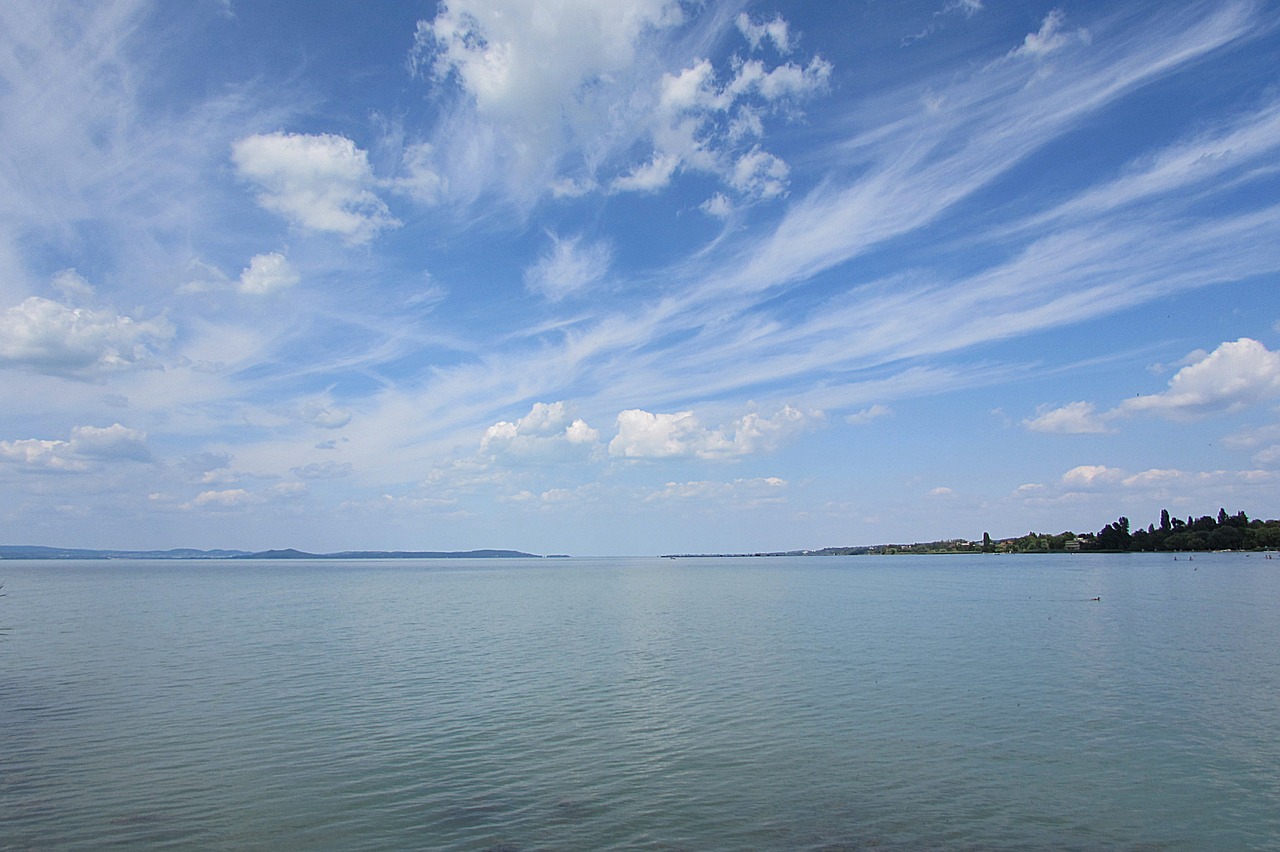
x: 1225, y: 532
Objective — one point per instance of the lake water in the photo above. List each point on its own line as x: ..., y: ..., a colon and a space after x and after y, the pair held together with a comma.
x: 971, y: 702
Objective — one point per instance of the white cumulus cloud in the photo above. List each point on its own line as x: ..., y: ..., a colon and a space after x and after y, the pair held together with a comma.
x: 318, y: 182
x: 760, y: 174
x: 867, y: 415
x: 49, y: 337
x: 114, y: 442
x: 1088, y: 475
x: 568, y: 96
x: 645, y: 435
x: 267, y: 273
x: 705, y: 125
x: 548, y: 432
x: 520, y: 58
x: 776, y: 31
x: 226, y: 499
x: 72, y: 285
x: 87, y: 446
x: 1075, y: 418
x: 37, y: 454
x: 1235, y: 375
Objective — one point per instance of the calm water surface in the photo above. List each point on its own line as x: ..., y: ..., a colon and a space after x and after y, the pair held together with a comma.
x: 827, y: 703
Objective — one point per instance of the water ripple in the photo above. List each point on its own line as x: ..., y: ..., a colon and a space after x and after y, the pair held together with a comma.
x: 822, y: 704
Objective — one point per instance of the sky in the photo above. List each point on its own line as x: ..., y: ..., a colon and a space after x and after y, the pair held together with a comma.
x: 631, y: 277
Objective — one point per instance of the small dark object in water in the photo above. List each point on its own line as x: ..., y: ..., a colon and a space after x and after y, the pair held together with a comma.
x: 1095, y: 599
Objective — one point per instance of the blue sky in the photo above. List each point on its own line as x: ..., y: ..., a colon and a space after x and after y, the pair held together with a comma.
x: 636, y: 276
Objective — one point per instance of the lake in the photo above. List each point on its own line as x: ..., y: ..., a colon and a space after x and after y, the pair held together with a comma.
x: 825, y: 703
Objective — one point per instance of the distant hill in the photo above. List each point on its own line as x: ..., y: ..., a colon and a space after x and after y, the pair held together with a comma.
x: 37, y: 552
x: 22, y: 551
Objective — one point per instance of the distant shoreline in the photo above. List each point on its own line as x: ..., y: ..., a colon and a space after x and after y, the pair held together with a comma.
x: 33, y: 552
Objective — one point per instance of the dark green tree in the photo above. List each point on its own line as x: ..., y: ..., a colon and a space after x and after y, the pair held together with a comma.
x: 1115, y: 536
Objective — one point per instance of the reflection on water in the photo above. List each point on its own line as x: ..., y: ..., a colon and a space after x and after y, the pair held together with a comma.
x: 826, y: 703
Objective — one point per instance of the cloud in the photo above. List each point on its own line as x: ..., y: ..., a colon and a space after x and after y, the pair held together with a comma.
x: 318, y: 182
x: 72, y: 285
x: 1171, y: 486
x: 420, y: 180
x: 644, y: 435
x: 1075, y: 418
x: 740, y: 493
x: 567, y: 268
x: 1153, y: 477
x: 287, y: 490
x: 1050, y: 38
x: 722, y: 323
x: 549, y: 432
x: 227, y: 499
x: 866, y: 415
x: 201, y: 462
x: 568, y: 96
x: 516, y: 59
x: 112, y: 443
x: 1089, y: 475
x: 651, y: 176
x: 267, y: 273
x: 239, y: 498
x: 1268, y: 456
x: 1242, y: 147
x: 775, y: 31
x: 759, y: 174
x: 705, y: 126
x: 320, y: 412
x: 323, y: 470
x: 718, y: 206
x: 1236, y: 375
x: 35, y: 454
x: 966, y: 8
x: 49, y: 337
x: 88, y: 446
x: 535, y: 81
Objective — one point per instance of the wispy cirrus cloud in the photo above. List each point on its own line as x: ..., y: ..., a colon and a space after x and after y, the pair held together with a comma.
x: 714, y: 331
x: 874, y: 238
x: 568, y: 267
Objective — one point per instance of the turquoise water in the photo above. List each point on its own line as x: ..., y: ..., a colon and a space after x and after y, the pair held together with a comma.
x: 828, y: 703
